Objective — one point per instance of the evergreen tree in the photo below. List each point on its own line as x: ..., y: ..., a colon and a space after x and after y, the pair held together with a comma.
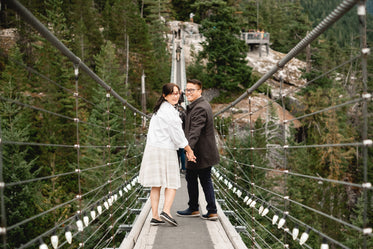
x: 182, y: 9
x: 15, y: 122
x: 225, y: 53
x: 47, y: 127
x: 122, y: 23
x: 355, y: 239
x: 157, y: 14
x: 285, y: 21
x: 85, y: 23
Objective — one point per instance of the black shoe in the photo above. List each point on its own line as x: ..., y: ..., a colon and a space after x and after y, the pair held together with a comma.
x: 188, y: 213
x: 210, y: 216
x: 155, y: 222
x: 167, y: 218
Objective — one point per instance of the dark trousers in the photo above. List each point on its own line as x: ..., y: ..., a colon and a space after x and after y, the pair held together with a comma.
x: 181, y: 154
x: 204, y: 176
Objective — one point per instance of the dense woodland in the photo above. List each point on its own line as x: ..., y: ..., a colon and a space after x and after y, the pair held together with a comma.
x: 105, y: 34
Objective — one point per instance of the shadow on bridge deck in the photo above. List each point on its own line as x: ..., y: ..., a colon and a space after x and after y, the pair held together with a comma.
x: 190, y: 233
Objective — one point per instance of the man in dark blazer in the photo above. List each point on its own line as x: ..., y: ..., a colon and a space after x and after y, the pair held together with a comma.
x: 199, y: 130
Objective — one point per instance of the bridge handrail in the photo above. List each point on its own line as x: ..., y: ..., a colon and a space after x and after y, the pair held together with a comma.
x: 337, y: 13
x: 255, y: 37
x: 36, y: 24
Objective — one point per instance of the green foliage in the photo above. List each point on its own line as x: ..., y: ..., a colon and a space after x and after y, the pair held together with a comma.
x: 225, y: 53
x: 84, y: 21
x: 197, y: 71
x: 98, y: 31
x: 15, y: 120
x: 182, y: 9
x: 345, y: 30
x: 159, y: 72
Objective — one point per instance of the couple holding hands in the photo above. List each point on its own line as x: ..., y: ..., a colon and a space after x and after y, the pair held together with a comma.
x: 167, y: 133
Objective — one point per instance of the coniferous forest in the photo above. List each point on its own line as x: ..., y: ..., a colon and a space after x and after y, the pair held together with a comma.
x: 122, y: 39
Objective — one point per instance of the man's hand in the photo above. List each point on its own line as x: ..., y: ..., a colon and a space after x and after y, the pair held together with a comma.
x: 191, y: 157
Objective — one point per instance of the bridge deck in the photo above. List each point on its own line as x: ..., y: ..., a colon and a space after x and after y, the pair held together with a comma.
x: 190, y: 233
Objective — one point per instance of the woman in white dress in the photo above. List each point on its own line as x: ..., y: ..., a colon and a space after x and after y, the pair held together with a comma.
x: 160, y: 166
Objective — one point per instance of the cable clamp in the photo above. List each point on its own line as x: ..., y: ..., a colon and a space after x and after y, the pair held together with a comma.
x: 286, y: 197
x: 108, y: 146
x: 286, y: 146
x: 76, y: 67
x: 75, y: 94
x: 367, y: 96
x: 76, y: 146
x: 285, y: 121
x: 365, y: 51
x: 367, y: 230
x: 108, y: 95
x: 2, y: 230
x: 368, y: 142
x: 252, y: 166
x: 1, y: 140
x: 76, y: 120
x: 2, y: 184
x: 252, y: 148
x: 79, y: 197
x: 366, y: 185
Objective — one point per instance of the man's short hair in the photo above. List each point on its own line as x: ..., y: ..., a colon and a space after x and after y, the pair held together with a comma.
x: 196, y: 82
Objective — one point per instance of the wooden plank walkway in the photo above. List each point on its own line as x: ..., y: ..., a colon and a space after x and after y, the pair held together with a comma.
x: 192, y: 232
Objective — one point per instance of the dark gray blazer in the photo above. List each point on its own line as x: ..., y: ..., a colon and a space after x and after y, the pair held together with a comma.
x: 199, y: 130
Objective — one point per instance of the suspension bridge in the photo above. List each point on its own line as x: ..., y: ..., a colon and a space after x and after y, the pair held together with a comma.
x: 107, y: 208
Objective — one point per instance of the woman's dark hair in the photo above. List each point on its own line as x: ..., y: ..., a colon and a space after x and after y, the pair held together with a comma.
x: 166, y: 90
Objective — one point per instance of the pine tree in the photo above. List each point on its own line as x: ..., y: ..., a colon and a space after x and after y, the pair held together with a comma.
x: 157, y: 14
x: 47, y: 127
x: 85, y: 23
x: 15, y: 120
x: 122, y: 23
x: 225, y: 53
x: 108, y: 70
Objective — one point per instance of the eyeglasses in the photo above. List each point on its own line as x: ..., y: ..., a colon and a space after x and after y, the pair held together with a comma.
x: 191, y: 90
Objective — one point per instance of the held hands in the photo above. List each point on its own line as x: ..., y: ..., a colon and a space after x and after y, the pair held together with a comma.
x: 190, y: 155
